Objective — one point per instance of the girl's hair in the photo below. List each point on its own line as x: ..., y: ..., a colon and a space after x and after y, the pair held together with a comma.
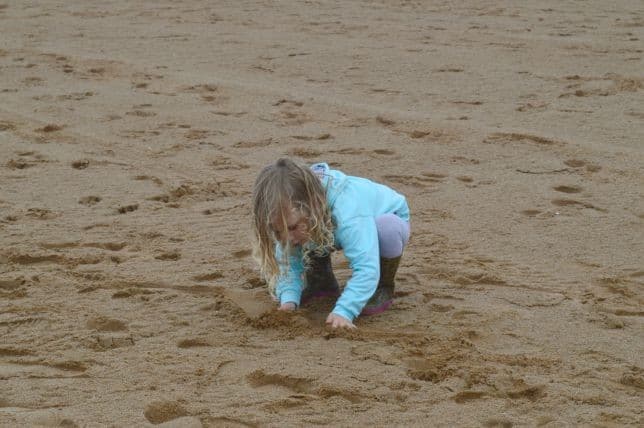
x: 279, y: 188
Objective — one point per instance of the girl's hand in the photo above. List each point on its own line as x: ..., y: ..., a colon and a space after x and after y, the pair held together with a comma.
x: 288, y: 306
x: 339, y: 321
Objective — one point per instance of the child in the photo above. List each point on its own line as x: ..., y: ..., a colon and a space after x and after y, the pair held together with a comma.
x: 302, y: 214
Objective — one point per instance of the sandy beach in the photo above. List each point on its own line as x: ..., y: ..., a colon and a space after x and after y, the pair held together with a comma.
x: 131, y: 133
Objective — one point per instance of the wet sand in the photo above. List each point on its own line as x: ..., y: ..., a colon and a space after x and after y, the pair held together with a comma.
x: 131, y: 133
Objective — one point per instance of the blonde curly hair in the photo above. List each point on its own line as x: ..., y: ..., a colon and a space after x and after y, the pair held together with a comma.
x: 279, y: 188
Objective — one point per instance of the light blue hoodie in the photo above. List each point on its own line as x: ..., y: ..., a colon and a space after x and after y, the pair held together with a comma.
x: 355, y: 203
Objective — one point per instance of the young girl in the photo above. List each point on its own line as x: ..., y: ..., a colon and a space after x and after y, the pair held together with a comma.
x: 302, y: 214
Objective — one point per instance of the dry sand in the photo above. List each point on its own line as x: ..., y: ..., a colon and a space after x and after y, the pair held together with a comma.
x: 130, y: 135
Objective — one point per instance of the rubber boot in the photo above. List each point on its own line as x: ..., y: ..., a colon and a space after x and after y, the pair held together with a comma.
x: 384, y: 295
x: 319, y: 279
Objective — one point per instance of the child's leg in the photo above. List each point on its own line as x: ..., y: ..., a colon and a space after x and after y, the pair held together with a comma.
x: 393, y: 235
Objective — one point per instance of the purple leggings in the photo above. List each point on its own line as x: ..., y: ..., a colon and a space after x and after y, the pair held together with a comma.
x: 393, y: 235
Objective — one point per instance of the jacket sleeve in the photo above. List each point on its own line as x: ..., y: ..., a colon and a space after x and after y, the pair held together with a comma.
x: 359, y: 240
x: 289, y: 282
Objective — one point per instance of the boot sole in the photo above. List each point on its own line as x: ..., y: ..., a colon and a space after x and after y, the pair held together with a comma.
x: 378, y: 309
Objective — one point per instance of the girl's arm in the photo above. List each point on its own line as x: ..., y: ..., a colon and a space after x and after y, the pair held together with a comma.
x: 289, y: 283
x: 359, y: 240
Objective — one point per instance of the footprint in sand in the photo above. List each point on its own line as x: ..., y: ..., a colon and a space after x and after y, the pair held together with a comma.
x: 80, y: 164
x: 131, y: 292
x: 224, y: 163
x: 200, y: 89
x: 14, y: 289
x: 193, y: 343
x: 76, y: 96
x: 105, y: 324
x: 110, y: 246
x: 513, y: 137
x: 574, y: 203
x: 385, y: 91
x: 13, y: 284
x: 421, y: 180
x: 33, y: 81
x: 159, y: 198
x: 428, y: 370
x: 14, y: 323
x: 577, y: 163
x: 201, y: 134
x: 50, y: 128
x: 241, y: 254
x: 435, y: 135
x: 288, y: 102
x: 31, y: 259
x: 567, y: 189
x: 11, y: 218
x: 348, y: 151
x: 461, y: 160
x: 531, y: 213
x: 159, y: 412
x: 297, y: 385
x: 89, y: 200
x: 127, y: 208
x: 468, y: 103
x: 41, y: 213
x: 142, y: 134
x: 208, y: 276
x: 537, y: 106
x: 19, y: 164
x: 465, y: 178
x: 169, y: 256
x: 385, y: 121
x: 450, y: 69
x: 140, y: 113
x: 259, y: 378
x: 208, y: 93
x: 15, y: 352
x: 155, y: 180
x: 320, y: 137
x: 465, y: 396
x: 111, y: 117
x: 254, y: 144
x: 7, y: 126
x: 305, y: 152
x: 293, y: 118
x: 376, y: 153
x: 289, y: 113
x: 230, y: 113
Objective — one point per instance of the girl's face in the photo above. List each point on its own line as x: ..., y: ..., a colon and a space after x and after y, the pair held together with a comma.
x: 297, y: 228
